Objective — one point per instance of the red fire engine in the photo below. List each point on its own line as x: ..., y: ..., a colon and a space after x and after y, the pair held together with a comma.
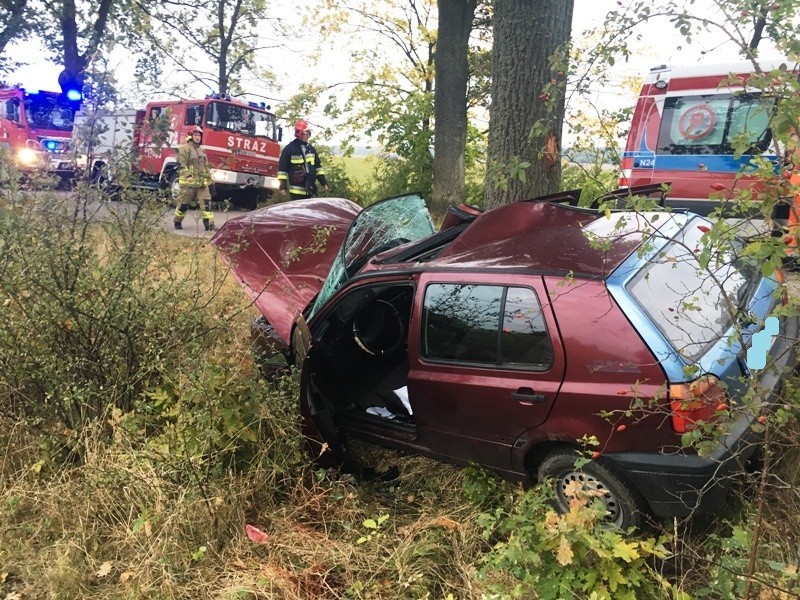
x: 36, y: 128
x: 241, y: 140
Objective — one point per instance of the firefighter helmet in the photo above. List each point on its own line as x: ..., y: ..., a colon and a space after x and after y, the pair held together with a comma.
x: 193, y: 130
x: 300, y: 128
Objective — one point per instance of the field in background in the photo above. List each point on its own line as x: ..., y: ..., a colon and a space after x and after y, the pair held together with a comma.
x: 359, y: 168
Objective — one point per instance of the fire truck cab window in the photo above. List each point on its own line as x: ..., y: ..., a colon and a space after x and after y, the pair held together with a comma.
x: 47, y: 112
x: 194, y: 115
x: 12, y: 110
x: 241, y: 119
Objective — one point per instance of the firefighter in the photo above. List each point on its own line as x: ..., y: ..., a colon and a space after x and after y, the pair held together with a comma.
x: 299, y: 167
x: 194, y: 179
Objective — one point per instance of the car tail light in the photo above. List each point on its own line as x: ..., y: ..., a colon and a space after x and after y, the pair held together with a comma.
x: 695, y: 401
x: 627, y: 165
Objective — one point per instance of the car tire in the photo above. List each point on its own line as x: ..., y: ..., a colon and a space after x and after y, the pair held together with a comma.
x: 626, y: 507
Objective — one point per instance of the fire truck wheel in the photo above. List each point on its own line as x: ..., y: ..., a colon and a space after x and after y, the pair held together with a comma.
x: 66, y: 182
x: 173, y: 188
x: 245, y: 199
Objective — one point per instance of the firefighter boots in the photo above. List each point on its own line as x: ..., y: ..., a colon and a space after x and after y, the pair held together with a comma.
x: 178, y: 224
x: 208, y: 225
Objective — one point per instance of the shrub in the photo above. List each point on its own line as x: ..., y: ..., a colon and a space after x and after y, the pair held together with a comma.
x: 543, y: 554
x: 107, y: 315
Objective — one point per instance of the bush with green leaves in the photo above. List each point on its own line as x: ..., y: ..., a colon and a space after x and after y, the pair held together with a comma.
x: 539, y: 553
x: 105, y: 314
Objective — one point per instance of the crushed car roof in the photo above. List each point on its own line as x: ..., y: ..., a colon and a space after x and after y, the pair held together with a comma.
x: 545, y: 236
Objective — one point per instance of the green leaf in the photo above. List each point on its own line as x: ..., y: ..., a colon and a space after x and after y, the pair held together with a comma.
x: 626, y: 551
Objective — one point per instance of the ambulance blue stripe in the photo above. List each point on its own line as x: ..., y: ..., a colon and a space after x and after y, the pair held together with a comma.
x: 688, y: 162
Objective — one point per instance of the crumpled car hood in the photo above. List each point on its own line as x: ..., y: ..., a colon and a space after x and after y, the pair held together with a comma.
x: 282, y: 254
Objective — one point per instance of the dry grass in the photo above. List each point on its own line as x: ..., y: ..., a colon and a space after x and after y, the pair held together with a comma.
x: 132, y: 521
x: 120, y: 527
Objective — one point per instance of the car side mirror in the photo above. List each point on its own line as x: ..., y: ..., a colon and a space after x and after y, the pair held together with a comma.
x: 280, y: 133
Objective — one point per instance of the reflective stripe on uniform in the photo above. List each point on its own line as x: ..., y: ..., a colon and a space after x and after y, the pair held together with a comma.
x: 294, y: 189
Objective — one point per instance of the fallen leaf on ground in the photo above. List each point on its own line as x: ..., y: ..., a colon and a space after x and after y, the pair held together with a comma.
x: 105, y: 569
x: 254, y: 534
x: 445, y: 522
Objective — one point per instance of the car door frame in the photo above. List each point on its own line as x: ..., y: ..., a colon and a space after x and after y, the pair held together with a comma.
x: 446, y: 421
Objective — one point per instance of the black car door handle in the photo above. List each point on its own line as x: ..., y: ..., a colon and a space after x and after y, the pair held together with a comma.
x: 527, y: 396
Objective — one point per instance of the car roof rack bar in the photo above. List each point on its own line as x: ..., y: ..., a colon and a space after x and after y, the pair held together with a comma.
x: 569, y: 196
x: 638, y: 190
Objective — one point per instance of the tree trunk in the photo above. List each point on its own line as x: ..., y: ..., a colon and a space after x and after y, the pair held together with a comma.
x: 526, y: 34
x: 450, y: 101
x: 74, y: 66
x: 758, y: 29
x: 75, y: 63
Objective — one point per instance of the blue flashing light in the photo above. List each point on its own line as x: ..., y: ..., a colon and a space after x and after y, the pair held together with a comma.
x: 51, y: 145
x: 74, y: 95
x: 262, y: 104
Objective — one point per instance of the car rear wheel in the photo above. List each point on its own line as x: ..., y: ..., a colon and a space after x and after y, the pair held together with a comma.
x: 625, y: 507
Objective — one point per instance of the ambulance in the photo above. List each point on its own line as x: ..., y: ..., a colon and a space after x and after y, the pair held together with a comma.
x: 686, y: 125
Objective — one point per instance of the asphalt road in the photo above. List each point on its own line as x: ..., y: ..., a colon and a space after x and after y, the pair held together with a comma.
x: 193, y: 224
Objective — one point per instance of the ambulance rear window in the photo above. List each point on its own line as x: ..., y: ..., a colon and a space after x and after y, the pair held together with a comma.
x: 715, y: 124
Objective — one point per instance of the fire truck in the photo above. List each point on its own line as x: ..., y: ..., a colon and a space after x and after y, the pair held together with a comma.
x: 241, y: 140
x: 36, y: 128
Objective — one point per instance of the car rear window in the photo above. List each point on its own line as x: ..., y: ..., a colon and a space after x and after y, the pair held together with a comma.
x: 693, y: 306
x: 485, y: 324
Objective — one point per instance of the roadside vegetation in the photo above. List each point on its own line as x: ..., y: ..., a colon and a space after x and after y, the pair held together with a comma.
x: 145, y: 456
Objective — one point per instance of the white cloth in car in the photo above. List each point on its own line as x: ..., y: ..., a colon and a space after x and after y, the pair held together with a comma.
x: 402, y: 393
x: 381, y: 411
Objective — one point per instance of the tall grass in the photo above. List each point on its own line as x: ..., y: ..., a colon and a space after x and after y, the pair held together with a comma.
x: 138, y: 441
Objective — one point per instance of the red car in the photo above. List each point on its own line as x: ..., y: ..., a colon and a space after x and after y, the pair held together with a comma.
x: 512, y: 336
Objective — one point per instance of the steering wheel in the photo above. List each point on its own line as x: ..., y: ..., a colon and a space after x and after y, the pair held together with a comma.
x: 379, y: 330
x: 697, y: 122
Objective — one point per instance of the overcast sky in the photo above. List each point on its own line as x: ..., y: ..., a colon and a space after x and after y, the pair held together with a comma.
x: 662, y: 47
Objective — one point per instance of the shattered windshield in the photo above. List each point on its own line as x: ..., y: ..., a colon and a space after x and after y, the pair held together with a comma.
x: 377, y: 228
